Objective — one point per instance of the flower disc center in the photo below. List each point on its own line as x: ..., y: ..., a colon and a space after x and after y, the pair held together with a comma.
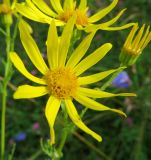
x: 62, y: 83
x: 5, y: 9
x: 82, y: 18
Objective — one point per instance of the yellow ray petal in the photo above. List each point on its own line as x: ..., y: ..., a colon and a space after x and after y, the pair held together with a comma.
x: 80, y: 51
x: 28, y: 12
x: 51, y: 111
x: 148, y: 39
x: 95, y: 105
x: 68, y: 5
x: 138, y: 38
x: 56, y: 4
x: 128, y: 25
x: 95, y: 77
x: 37, y: 11
x: 92, y: 59
x: 100, y: 94
x: 27, y: 91
x: 52, y: 46
x: 91, y: 28
x: 103, y: 12
x: 65, y: 40
x: 27, y: 26
x: 31, y: 5
x: 44, y: 7
x: 144, y: 38
x: 73, y: 114
x: 131, y: 36
x: 18, y: 63
x: 82, y: 5
x: 112, y: 21
x: 32, y: 49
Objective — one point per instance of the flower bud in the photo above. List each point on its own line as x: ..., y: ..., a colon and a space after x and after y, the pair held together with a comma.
x: 6, y: 13
x: 134, y: 44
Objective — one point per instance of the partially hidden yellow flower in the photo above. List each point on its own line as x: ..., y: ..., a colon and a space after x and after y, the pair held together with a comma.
x: 6, y: 10
x: 39, y: 11
x: 135, y: 44
x: 63, y: 80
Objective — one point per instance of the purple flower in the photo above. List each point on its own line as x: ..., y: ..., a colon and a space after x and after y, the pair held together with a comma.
x: 36, y: 126
x: 122, y: 80
x: 34, y: 72
x: 21, y: 136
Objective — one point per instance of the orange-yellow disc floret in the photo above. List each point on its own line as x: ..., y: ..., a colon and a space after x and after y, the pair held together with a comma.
x: 61, y: 83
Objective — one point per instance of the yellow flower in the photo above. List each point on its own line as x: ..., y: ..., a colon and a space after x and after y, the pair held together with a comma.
x: 63, y: 80
x: 135, y: 44
x: 6, y: 10
x: 39, y: 11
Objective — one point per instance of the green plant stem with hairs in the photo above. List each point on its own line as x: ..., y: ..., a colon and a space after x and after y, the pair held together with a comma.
x: 7, y: 76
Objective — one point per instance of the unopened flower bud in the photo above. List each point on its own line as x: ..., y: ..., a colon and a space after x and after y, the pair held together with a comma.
x: 6, y: 13
x: 134, y: 45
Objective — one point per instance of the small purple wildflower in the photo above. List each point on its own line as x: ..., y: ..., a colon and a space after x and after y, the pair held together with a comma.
x: 122, y: 80
x: 34, y: 72
x: 35, y: 126
x: 21, y: 136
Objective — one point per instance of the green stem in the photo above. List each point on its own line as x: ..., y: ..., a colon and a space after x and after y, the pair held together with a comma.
x: 35, y: 155
x: 10, y: 157
x: 109, y: 82
x: 2, y: 31
x: 4, y: 93
x: 63, y: 140
x: 65, y: 132
x: 3, y: 123
x: 14, y: 34
x: 8, y: 72
x: 98, y: 151
x: 139, y: 145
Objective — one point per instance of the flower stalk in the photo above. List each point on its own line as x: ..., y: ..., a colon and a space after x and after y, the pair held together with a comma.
x: 4, y: 93
x: 10, y: 41
x: 114, y: 75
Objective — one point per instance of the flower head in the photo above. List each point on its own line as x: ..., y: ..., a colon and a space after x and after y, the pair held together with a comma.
x: 122, y: 80
x: 6, y: 10
x: 35, y: 126
x: 63, y: 80
x: 39, y: 11
x: 135, y: 44
x: 21, y: 136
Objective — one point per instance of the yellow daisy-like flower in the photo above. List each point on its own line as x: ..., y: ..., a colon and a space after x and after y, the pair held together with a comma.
x: 135, y: 44
x: 39, y: 11
x: 62, y: 80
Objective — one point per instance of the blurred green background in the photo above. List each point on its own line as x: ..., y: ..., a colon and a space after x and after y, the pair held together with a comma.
x: 123, y: 139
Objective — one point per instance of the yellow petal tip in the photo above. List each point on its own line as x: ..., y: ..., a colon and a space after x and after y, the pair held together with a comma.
x: 15, y: 95
x: 119, y: 112
x: 100, y: 139
x: 133, y: 94
x: 109, y: 45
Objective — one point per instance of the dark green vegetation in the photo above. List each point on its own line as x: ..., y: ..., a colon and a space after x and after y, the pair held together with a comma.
x: 123, y: 139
